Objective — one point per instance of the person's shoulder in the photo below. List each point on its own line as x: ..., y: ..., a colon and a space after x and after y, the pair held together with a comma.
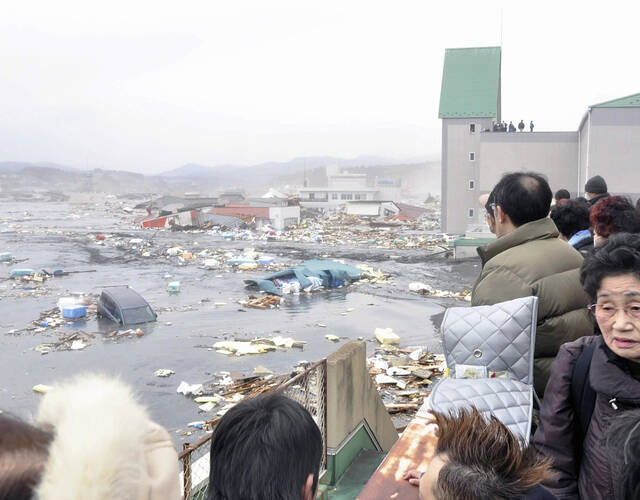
x: 574, y: 349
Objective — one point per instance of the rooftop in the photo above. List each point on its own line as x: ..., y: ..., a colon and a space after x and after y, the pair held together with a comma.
x: 470, y: 83
x: 630, y: 101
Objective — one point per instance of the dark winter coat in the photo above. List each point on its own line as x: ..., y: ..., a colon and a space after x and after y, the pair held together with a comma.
x: 532, y: 261
x: 588, y: 477
x: 596, y: 199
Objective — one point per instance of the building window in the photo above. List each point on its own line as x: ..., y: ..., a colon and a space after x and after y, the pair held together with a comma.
x: 472, y: 185
x: 471, y: 212
x: 357, y: 196
x: 334, y: 196
x: 472, y: 128
x: 312, y: 196
x: 346, y: 196
x: 472, y: 156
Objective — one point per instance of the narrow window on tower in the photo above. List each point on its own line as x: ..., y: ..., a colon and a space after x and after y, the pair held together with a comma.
x: 472, y: 156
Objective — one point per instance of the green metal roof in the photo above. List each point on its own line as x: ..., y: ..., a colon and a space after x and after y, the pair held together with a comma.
x: 630, y: 101
x: 470, y: 83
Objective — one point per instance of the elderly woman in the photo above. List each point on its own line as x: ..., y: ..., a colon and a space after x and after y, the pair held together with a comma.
x: 595, y: 378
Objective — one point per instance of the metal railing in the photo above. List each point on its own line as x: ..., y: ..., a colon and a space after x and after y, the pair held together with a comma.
x: 309, y: 388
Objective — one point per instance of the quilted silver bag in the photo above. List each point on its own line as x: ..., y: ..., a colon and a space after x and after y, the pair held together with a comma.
x: 494, y: 345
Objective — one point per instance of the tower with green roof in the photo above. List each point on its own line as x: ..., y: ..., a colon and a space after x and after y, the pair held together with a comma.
x: 469, y: 104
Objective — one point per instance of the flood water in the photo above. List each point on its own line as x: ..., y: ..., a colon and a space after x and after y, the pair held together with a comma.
x: 62, y: 236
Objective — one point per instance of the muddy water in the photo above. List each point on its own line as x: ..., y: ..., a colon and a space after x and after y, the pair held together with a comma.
x: 62, y: 236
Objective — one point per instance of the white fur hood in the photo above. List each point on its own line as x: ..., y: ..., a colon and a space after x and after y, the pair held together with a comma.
x: 105, y: 446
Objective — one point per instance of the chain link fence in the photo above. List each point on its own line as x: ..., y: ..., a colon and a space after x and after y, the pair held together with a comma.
x: 309, y: 388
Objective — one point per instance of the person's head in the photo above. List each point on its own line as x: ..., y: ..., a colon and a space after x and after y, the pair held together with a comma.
x: 476, y: 458
x: 24, y: 450
x: 519, y: 198
x: 623, y: 447
x: 595, y: 186
x: 611, y: 278
x: 614, y: 214
x: 570, y: 217
x: 264, y: 448
x: 562, y: 194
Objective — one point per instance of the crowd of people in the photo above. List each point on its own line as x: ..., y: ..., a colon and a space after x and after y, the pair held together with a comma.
x: 581, y: 257
x: 503, y: 127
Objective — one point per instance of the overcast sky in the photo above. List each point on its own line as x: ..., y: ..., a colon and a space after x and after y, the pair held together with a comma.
x: 149, y: 86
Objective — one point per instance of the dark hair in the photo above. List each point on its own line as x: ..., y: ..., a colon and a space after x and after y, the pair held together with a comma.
x: 524, y: 197
x: 24, y: 450
x: 484, y: 459
x: 623, y: 446
x: 619, y: 255
x: 570, y: 217
x: 264, y: 449
x: 562, y: 194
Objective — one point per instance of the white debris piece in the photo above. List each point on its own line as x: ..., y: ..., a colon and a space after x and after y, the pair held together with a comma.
x: 76, y: 345
x: 421, y: 287
x: 42, y: 388
x: 207, y: 406
x: 163, y: 372
x: 186, y: 389
x: 386, y: 336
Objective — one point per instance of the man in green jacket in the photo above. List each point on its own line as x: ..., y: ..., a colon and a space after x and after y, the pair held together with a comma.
x: 527, y: 258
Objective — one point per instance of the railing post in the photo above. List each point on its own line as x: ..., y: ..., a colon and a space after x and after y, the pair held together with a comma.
x: 186, y: 471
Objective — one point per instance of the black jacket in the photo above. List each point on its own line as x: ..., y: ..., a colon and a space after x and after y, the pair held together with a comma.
x: 596, y: 199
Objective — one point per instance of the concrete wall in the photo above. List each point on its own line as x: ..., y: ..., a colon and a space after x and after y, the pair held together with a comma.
x: 352, y: 397
x: 614, y: 149
x: 554, y: 154
x: 282, y: 217
x: 458, y: 170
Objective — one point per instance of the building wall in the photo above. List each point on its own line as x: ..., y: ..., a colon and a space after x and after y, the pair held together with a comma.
x: 458, y: 170
x: 348, y: 181
x: 282, y: 217
x: 583, y: 152
x: 553, y: 154
x: 614, y: 150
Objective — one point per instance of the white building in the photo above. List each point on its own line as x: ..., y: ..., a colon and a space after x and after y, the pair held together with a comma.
x: 372, y: 208
x: 345, y: 187
x: 475, y: 155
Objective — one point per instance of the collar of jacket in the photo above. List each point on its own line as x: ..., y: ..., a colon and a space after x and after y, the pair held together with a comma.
x: 580, y: 237
x: 540, y: 229
x: 610, y: 375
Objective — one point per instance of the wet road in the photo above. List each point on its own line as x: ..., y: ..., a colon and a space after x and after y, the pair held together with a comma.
x: 62, y: 236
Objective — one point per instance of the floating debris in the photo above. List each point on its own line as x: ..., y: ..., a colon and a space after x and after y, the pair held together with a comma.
x: 163, y: 372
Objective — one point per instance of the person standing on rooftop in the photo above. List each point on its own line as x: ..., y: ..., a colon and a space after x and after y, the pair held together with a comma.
x: 521, y: 126
x: 531, y: 126
x: 527, y: 258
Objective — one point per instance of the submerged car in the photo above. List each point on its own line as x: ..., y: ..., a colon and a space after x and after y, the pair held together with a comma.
x: 125, y: 306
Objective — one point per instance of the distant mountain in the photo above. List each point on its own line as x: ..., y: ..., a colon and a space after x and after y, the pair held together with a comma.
x: 12, y: 167
x: 228, y: 173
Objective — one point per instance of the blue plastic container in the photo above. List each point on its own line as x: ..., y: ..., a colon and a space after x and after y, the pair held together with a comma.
x: 74, y: 312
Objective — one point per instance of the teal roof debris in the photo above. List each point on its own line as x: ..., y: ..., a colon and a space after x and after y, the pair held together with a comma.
x: 630, y: 101
x: 470, y: 83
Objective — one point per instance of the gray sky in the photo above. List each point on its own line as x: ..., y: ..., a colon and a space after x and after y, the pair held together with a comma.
x: 149, y: 86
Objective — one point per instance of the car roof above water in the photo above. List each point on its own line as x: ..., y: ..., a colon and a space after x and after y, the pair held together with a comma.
x: 127, y: 298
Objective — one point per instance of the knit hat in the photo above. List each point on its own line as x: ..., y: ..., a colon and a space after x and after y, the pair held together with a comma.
x: 596, y: 185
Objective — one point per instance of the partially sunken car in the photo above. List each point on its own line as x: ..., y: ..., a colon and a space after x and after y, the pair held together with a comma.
x: 125, y: 306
